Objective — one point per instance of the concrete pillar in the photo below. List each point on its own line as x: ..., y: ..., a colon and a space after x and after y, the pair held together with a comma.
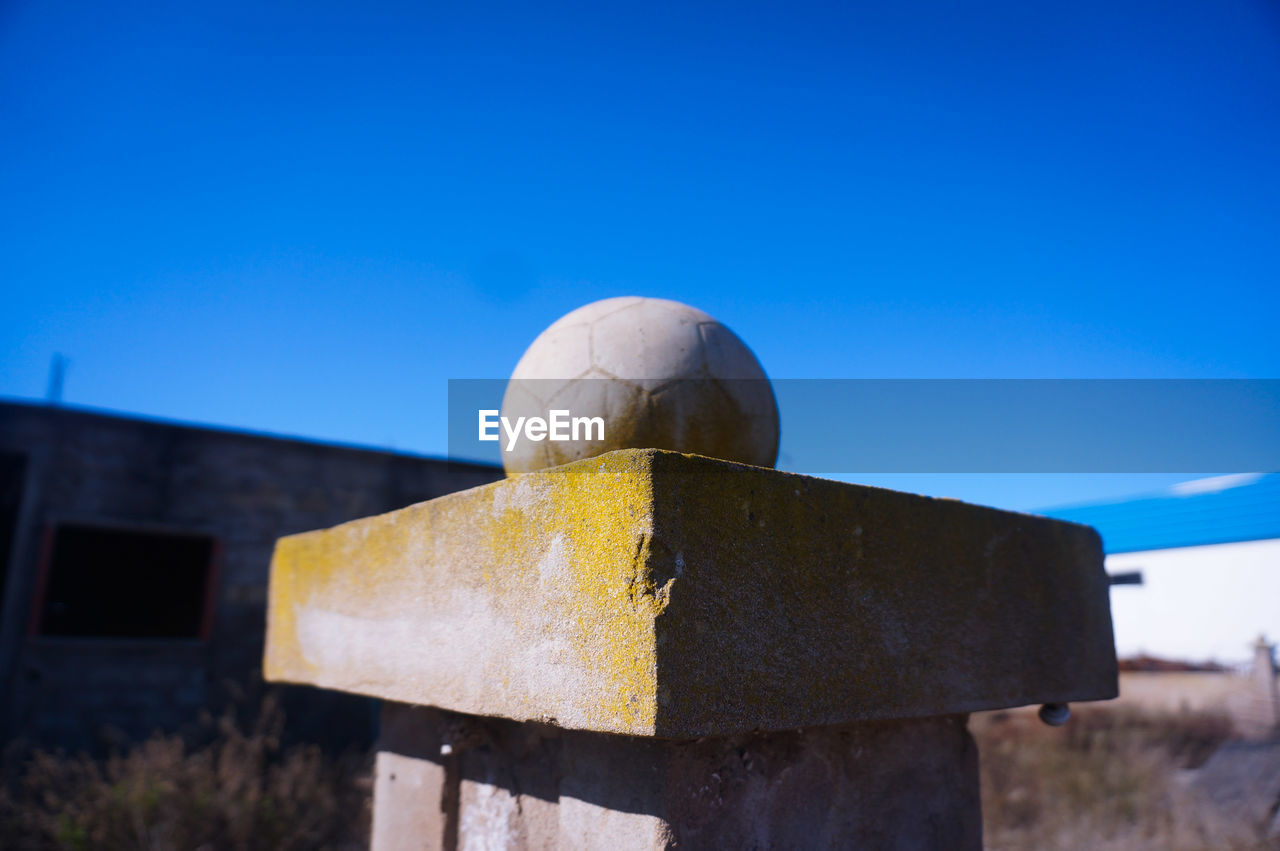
x: 882, y: 784
x: 650, y: 650
x: 1264, y: 678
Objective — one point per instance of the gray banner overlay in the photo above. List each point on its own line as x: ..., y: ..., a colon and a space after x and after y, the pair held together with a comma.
x: 832, y: 426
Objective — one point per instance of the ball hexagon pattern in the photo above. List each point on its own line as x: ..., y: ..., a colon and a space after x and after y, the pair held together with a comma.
x: 660, y: 374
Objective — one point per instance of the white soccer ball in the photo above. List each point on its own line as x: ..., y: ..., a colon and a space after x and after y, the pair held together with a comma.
x: 660, y: 374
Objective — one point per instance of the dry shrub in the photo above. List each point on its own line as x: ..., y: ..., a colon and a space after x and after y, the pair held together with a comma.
x: 1109, y: 779
x: 239, y: 790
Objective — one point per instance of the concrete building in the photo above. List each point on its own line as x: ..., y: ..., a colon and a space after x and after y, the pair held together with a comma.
x: 133, y: 565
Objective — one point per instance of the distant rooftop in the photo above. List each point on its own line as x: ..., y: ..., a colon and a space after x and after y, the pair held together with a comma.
x: 1220, y: 510
x: 63, y: 409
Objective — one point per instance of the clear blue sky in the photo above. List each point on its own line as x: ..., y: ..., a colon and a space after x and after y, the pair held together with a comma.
x: 304, y: 218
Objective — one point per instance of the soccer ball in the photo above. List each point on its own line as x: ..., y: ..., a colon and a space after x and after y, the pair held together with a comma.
x: 658, y: 373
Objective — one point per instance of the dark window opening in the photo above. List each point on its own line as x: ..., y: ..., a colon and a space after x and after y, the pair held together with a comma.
x: 13, y: 470
x: 125, y: 583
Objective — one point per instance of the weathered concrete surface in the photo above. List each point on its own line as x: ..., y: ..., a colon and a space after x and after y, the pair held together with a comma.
x: 652, y: 593
x: 897, y: 784
x: 410, y: 786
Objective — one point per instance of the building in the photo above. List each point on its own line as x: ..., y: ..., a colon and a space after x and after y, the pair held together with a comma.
x: 1200, y: 565
x: 1208, y: 555
x: 133, y: 566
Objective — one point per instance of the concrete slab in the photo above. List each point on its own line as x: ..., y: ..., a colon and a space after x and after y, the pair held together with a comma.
x: 652, y: 593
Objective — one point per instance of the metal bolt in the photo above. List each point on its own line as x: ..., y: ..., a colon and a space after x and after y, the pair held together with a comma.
x: 1055, y: 714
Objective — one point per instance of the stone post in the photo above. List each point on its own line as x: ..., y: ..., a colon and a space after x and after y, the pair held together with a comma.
x: 1265, y: 686
x: 648, y: 650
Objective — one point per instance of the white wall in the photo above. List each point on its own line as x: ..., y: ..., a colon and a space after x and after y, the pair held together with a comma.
x: 1198, y: 603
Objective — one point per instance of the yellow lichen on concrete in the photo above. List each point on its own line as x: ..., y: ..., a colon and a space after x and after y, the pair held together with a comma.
x: 530, y: 597
x: 313, y: 563
x: 600, y: 510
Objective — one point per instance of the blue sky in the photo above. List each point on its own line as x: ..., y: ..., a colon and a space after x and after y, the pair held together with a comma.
x: 305, y: 218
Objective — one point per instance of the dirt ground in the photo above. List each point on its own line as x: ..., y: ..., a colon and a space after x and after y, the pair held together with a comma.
x: 1117, y: 778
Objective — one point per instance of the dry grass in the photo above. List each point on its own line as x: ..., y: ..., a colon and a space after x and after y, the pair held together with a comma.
x: 238, y: 791
x: 1109, y: 779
